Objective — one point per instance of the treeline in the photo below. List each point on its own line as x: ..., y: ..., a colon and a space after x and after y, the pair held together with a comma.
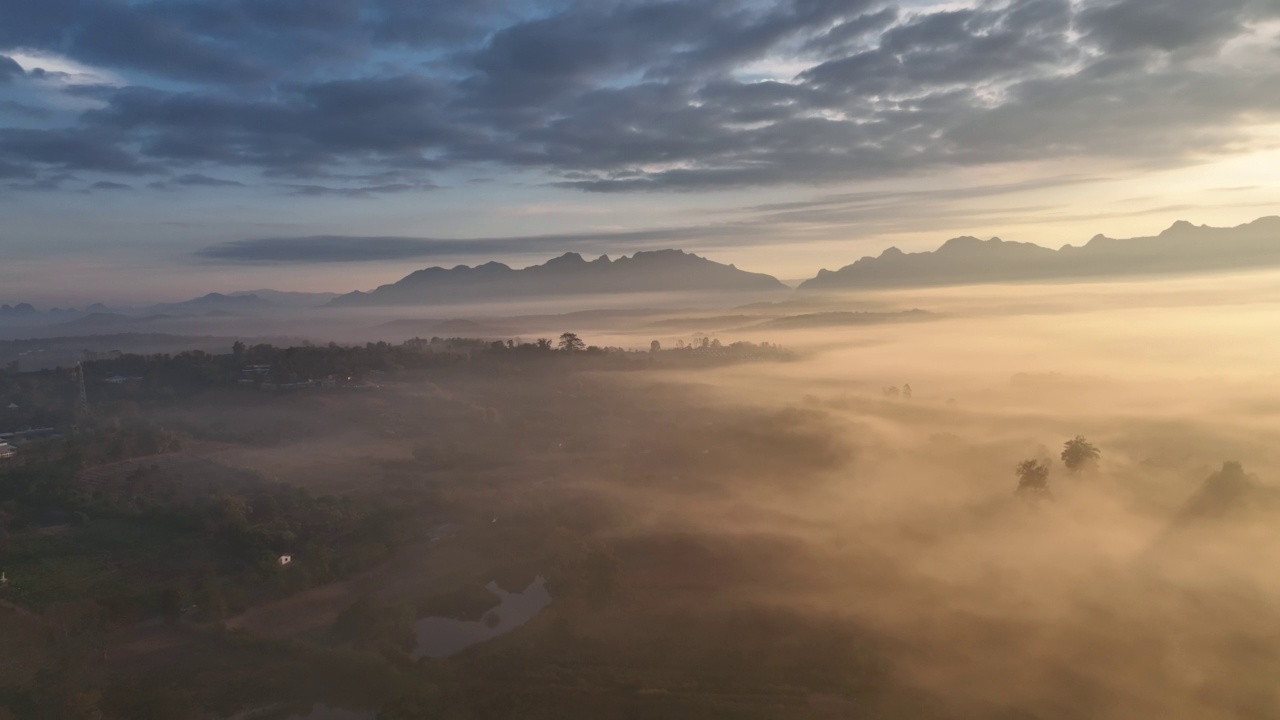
x: 46, y: 398
x: 162, y: 376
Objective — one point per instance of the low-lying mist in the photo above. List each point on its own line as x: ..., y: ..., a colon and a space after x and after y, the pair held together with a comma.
x: 872, y: 516
x: 1141, y: 585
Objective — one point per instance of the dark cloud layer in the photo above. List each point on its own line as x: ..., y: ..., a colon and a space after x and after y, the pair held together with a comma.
x: 364, y: 191
x: 108, y: 185
x: 198, y: 180
x: 625, y: 95
x: 775, y: 222
x: 343, y: 249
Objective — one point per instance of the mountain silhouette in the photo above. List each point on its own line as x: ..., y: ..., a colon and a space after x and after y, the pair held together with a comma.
x: 1181, y: 248
x: 288, y: 298
x: 655, y: 271
x: 214, y: 302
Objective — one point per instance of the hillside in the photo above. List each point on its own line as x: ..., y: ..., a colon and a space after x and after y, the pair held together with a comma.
x: 1183, y: 247
x: 569, y: 274
x: 215, y: 302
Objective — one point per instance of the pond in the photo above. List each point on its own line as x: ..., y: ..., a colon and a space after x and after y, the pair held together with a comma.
x: 440, y: 637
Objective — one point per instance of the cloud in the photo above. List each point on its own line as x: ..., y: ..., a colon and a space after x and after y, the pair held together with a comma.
x: 51, y: 67
x: 847, y: 35
x: 68, y: 150
x: 53, y: 181
x: 1170, y: 25
x: 389, y: 122
x: 767, y: 223
x: 24, y: 110
x: 357, y: 192
x: 124, y: 36
x: 242, y: 41
x: 332, y: 248
x: 901, y: 201
x: 10, y: 170
x: 108, y: 185
x: 9, y: 69
x: 198, y: 180
x: 342, y: 248
x: 643, y: 96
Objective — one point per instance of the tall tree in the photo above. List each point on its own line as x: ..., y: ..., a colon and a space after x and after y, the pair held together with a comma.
x: 1078, y: 453
x: 1033, y: 477
x: 570, y: 342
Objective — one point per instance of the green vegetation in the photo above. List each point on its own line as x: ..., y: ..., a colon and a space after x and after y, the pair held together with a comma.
x: 143, y: 560
x: 1078, y: 453
x: 1033, y: 477
x: 168, y: 377
x: 143, y: 542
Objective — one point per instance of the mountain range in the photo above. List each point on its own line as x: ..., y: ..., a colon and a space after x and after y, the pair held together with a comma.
x: 569, y: 274
x: 1181, y: 248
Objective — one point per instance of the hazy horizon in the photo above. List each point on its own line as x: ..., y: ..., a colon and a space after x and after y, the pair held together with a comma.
x: 784, y: 137
x: 284, y: 276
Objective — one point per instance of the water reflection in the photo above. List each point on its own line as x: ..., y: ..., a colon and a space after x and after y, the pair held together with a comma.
x: 440, y: 637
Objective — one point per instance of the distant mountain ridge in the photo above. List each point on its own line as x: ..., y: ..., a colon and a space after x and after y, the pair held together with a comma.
x: 1183, y: 247
x: 215, y: 302
x: 288, y: 298
x: 568, y: 274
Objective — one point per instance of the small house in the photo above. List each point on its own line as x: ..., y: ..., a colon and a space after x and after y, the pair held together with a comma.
x: 7, y: 451
x: 120, y: 379
x: 284, y: 560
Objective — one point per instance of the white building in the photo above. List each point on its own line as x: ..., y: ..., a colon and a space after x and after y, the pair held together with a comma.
x: 7, y: 450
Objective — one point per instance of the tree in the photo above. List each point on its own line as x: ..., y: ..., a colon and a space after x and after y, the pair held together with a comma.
x: 906, y: 391
x: 1033, y: 477
x: 655, y: 346
x: 237, y: 348
x: 366, y: 623
x: 1078, y: 453
x: 570, y: 342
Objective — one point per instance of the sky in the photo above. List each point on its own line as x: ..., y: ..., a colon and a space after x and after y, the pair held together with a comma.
x: 161, y: 149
